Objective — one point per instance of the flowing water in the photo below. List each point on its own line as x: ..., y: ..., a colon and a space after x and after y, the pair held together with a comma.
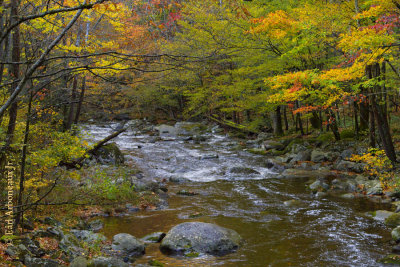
x: 327, y: 231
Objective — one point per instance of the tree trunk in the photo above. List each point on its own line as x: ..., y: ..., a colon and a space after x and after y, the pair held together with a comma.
x: 14, y: 68
x: 285, y: 118
x: 72, y: 104
x: 81, y: 97
x: 364, y: 113
x: 356, y: 129
x: 277, y: 121
x: 379, y: 112
x: 20, y: 214
x: 315, y: 121
x: 333, y: 125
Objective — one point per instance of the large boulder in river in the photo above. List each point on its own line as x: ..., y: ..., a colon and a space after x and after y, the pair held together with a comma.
x: 128, y: 245
x: 109, y: 154
x: 166, y: 130
x: 199, y: 237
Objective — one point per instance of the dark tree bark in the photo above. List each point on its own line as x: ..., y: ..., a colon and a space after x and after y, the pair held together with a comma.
x: 356, y: 129
x: 81, y: 97
x: 72, y: 104
x: 14, y: 68
x: 333, y: 124
x: 315, y: 121
x: 285, y: 118
x: 298, y: 119
x: 277, y: 121
x: 379, y: 112
x: 20, y: 214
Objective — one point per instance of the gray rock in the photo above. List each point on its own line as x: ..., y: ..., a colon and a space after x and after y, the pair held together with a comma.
x: 166, y: 130
x: 178, y: 180
x: 79, y: 262
x: 53, y: 232
x: 343, y: 185
x: 198, y: 237
x: 344, y: 165
x: 12, y: 251
x: 128, y: 245
x: 37, y: 262
x: 346, y: 154
x: 374, y: 188
x: 304, y: 155
x: 264, y: 136
x: 154, y: 237
x: 69, y: 244
x: 381, y: 215
x: 109, y: 154
x: 318, y: 155
x: 297, y: 148
x: 318, y: 185
x: 243, y: 170
x: 33, y: 247
x: 88, y: 236
x: 297, y: 173
x: 269, y: 144
x: 209, y: 156
x: 107, y: 262
x: 274, y: 165
x: 96, y: 225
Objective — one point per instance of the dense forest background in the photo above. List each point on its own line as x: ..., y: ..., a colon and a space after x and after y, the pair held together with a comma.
x: 329, y: 68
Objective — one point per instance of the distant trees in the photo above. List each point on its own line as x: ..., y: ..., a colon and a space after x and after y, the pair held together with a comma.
x: 306, y: 63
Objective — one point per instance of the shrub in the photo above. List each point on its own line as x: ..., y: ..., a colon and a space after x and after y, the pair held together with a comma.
x: 347, y: 134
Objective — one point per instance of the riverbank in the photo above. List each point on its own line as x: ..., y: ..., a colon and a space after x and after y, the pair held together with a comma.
x: 212, y: 178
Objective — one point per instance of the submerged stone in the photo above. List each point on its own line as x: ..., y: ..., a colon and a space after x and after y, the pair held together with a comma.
x: 293, y: 203
x: 243, y: 170
x: 156, y: 237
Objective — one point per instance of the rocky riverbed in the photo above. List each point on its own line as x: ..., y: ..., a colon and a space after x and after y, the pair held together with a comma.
x: 232, y: 202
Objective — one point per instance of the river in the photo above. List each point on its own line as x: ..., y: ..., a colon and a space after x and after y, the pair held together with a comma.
x: 327, y: 231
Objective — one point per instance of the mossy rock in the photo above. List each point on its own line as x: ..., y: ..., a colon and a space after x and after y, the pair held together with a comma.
x: 396, y: 234
x: 192, y: 254
x: 258, y: 151
x: 393, y: 220
x: 6, y: 238
x: 155, y: 263
x: 275, y: 152
x: 326, y: 137
x: 109, y: 154
x: 391, y: 259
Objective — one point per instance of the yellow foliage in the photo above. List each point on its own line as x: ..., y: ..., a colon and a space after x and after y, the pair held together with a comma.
x: 377, y: 164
